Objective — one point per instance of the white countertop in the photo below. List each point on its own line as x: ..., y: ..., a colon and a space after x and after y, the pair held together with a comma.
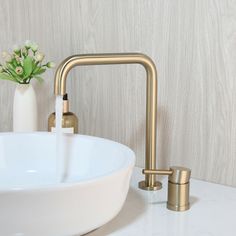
x: 212, y: 212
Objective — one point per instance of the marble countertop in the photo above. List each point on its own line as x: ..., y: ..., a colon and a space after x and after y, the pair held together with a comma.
x: 212, y: 212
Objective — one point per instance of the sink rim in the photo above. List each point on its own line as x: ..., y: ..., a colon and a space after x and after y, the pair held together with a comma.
x: 130, y: 162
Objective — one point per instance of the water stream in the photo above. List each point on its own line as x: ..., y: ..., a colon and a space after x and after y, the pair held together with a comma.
x: 60, y: 170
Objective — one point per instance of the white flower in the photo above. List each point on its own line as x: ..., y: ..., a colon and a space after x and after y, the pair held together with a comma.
x: 39, y: 56
x: 24, y: 51
x: 6, y: 56
x: 51, y: 64
x: 17, y: 57
x: 1, y: 69
x: 28, y: 44
x: 34, y: 47
x: 16, y: 48
x: 19, y: 70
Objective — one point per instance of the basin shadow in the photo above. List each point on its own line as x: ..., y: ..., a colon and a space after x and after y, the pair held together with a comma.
x: 193, y: 200
x: 134, y: 206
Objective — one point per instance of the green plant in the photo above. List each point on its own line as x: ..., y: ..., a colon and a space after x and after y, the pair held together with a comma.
x: 24, y: 64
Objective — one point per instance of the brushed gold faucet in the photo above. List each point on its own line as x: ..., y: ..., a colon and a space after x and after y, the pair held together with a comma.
x: 150, y: 182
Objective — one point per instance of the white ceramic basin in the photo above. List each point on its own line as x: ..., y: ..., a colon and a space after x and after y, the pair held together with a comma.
x: 34, y: 203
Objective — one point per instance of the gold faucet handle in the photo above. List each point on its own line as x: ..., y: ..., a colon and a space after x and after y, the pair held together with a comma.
x: 178, y: 186
x: 179, y: 175
x: 178, y: 189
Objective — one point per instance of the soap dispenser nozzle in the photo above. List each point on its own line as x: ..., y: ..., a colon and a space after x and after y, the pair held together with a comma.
x: 65, y: 103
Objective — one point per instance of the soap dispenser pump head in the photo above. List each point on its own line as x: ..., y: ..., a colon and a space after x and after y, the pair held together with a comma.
x: 65, y: 103
x: 65, y: 96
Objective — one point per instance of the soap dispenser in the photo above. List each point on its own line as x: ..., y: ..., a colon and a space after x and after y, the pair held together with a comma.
x: 69, y: 119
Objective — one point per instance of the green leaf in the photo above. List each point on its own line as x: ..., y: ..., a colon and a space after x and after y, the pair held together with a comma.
x: 40, y: 79
x: 5, y: 76
x: 13, y: 73
x: 28, y: 66
x: 36, y: 69
x: 40, y: 71
x: 10, y: 65
x: 34, y: 65
x: 14, y: 62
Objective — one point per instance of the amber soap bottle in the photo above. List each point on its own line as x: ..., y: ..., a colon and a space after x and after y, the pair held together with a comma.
x: 69, y: 119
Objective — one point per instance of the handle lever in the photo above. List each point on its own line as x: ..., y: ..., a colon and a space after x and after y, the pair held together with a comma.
x: 178, y: 186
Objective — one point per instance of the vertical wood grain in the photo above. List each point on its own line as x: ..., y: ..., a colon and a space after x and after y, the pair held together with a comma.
x: 192, y: 42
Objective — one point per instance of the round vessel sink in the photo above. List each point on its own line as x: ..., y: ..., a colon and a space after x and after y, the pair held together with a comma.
x: 35, y: 202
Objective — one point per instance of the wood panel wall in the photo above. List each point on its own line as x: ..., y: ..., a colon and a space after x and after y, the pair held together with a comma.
x: 192, y: 42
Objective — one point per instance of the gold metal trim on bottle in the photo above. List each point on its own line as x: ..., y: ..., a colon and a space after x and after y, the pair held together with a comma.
x: 64, y: 68
x: 65, y: 106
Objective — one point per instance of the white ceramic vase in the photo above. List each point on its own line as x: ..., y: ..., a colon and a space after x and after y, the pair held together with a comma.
x: 25, y: 109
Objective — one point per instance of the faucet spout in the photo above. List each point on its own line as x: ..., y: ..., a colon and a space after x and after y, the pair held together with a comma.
x: 64, y: 68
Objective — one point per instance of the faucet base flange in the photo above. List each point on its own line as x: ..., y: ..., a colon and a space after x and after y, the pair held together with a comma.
x: 143, y: 185
x: 178, y: 208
